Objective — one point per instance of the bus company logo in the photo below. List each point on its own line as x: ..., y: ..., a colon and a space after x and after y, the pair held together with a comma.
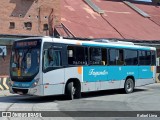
x: 6, y: 114
x: 21, y: 114
x: 97, y: 73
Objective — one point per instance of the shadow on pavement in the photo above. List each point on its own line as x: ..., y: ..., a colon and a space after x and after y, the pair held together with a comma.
x: 108, y: 92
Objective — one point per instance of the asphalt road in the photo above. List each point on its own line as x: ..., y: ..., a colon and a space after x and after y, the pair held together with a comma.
x: 146, y: 98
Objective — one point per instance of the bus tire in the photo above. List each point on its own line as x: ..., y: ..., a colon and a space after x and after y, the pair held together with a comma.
x: 70, y: 91
x: 77, y: 92
x: 73, y: 90
x: 129, y: 86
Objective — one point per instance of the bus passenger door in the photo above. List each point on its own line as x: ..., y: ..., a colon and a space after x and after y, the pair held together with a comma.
x: 114, y: 76
x: 115, y: 68
x: 53, y: 71
x: 145, y: 68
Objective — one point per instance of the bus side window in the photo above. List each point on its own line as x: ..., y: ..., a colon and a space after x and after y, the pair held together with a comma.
x: 70, y: 57
x: 153, y: 58
x: 131, y: 57
x: 104, y: 56
x: 86, y: 56
x: 52, y: 58
x: 77, y: 55
x: 144, y: 57
x: 80, y: 55
x: 49, y: 60
x: 148, y: 58
x: 95, y: 56
x: 56, y: 59
x: 70, y: 52
x: 45, y: 59
x: 112, y: 56
x: 120, y: 60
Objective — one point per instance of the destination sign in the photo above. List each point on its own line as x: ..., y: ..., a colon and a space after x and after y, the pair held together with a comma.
x: 26, y: 43
x: 20, y: 44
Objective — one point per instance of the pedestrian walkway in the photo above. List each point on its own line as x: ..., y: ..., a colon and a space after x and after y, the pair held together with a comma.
x: 4, y: 93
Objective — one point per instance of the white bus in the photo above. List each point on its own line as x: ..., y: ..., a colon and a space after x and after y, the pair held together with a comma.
x: 45, y: 66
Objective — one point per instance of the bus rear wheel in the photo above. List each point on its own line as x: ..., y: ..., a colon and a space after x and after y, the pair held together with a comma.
x: 129, y: 86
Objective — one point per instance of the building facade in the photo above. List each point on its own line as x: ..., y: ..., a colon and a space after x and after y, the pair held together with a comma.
x: 24, y: 18
x: 29, y: 17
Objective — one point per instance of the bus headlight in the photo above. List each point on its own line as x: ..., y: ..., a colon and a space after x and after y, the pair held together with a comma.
x: 35, y: 83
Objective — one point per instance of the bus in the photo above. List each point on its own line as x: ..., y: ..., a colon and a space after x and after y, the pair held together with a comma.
x: 44, y: 66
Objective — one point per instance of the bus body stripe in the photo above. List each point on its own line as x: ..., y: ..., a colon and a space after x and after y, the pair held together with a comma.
x: 106, y: 73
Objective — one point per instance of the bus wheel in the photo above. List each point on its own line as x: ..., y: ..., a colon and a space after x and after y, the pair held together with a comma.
x: 70, y: 91
x: 129, y: 86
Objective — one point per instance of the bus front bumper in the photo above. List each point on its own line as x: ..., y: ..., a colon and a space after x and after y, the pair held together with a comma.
x: 26, y: 91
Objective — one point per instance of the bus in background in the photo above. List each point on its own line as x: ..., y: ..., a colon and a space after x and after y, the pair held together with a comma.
x: 45, y: 66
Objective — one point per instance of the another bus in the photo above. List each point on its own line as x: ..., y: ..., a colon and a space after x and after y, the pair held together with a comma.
x: 44, y: 66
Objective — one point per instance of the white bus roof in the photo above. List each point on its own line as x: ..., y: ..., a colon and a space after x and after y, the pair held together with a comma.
x: 95, y: 43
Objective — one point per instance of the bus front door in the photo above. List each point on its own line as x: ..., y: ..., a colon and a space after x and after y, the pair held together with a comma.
x: 53, y: 73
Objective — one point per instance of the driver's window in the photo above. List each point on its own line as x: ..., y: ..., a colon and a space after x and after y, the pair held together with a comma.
x: 45, y: 59
x: 52, y: 58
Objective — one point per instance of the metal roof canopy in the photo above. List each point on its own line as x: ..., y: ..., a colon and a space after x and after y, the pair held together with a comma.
x: 94, y: 7
x: 137, y: 9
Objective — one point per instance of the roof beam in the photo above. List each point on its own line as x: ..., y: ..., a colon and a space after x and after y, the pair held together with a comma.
x: 94, y: 6
x: 135, y: 8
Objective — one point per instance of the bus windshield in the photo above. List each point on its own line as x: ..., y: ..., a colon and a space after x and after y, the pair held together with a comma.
x: 25, y: 60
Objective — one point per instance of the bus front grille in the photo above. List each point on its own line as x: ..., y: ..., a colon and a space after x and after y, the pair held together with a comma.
x: 23, y: 91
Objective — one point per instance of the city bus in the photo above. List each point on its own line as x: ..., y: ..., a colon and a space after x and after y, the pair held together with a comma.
x: 44, y: 66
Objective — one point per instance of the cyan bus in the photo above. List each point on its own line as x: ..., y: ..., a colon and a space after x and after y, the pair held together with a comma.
x: 45, y: 66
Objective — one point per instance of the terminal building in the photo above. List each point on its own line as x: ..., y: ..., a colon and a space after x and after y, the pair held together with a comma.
x: 25, y: 18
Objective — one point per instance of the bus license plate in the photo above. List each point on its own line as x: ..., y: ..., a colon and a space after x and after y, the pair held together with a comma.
x: 19, y: 92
